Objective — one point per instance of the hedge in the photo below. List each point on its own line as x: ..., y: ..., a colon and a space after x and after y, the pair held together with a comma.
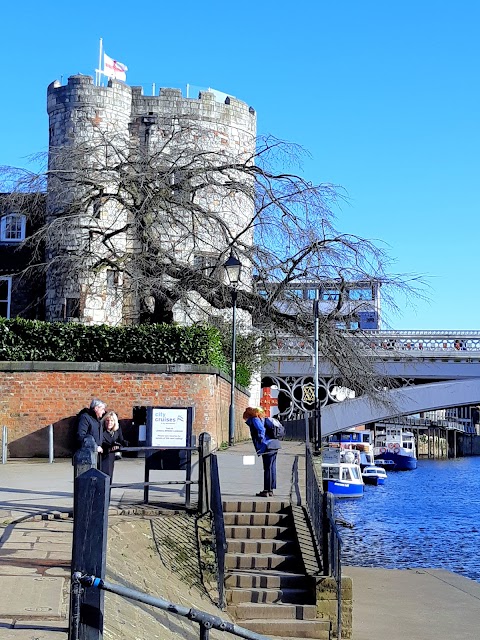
x: 22, y: 340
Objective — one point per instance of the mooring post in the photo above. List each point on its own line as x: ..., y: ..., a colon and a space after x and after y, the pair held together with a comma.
x: 86, y: 457
x: 90, y: 524
x: 50, y: 443
x: 4, y: 445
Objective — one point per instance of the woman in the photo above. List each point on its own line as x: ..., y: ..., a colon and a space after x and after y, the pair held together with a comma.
x: 112, y: 439
x: 265, y: 446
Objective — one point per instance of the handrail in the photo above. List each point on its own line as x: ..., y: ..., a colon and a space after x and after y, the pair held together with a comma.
x: 206, y: 620
x: 216, y: 508
x: 210, y: 501
x: 320, y: 507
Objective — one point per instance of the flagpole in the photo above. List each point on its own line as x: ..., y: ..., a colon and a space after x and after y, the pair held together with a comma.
x: 99, y: 70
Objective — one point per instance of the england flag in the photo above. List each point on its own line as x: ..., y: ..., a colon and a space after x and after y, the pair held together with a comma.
x: 114, y: 69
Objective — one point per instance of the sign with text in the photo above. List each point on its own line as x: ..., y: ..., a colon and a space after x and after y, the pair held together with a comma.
x: 169, y: 427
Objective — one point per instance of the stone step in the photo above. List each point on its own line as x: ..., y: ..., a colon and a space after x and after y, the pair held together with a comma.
x: 287, y: 595
x: 264, y: 580
x: 257, y: 519
x: 261, y: 546
x: 256, y: 506
x: 257, y: 532
x: 259, y: 611
x: 319, y: 629
x: 262, y: 561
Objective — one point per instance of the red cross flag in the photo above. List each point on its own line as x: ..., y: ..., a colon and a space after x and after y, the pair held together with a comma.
x: 114, y: 69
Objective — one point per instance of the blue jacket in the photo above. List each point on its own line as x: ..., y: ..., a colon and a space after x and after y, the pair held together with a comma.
x: 260, y: 440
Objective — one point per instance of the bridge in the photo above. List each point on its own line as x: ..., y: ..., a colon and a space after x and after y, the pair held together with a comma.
x: 437, y: 370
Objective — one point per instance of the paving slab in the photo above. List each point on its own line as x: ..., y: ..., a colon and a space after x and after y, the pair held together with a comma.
x: 38, y: 596
x: 424, y: 604
x: 32, y: 634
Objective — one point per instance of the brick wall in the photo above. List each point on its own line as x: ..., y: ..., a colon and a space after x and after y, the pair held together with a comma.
x: 36, y: 394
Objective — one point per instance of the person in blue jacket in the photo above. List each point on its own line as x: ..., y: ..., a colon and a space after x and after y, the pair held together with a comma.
x: 265, y: 446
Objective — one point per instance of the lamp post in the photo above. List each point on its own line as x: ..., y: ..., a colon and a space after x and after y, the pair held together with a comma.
x: 317, y: 429
x: 233, y: 267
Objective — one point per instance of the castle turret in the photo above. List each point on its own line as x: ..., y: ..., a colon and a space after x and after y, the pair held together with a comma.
x: 94, y: 132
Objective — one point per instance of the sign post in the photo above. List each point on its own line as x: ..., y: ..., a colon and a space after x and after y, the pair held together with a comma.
x: 169, y: 428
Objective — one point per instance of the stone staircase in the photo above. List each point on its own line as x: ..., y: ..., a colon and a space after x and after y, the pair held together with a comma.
x: 267, y: 588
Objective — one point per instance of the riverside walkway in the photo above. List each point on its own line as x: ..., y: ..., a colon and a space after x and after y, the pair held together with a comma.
x: 35, y: 548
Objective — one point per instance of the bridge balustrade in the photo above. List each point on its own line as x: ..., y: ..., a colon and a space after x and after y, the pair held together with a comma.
x: 453, y: 344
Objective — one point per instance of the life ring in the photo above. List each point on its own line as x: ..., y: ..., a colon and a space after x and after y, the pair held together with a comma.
x: 396, y: 447
x: 391, y: 445
x: 383, y: 450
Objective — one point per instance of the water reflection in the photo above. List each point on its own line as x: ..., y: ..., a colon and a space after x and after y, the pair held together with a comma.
x: 429, y: 517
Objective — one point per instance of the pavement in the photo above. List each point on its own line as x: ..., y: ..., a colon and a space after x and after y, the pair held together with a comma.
x: 36, y: 502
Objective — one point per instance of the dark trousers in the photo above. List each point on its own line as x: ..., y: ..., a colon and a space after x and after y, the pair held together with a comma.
x: 269, y: 460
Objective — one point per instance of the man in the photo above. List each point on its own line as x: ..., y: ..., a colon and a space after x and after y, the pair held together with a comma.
x: 89, y: 423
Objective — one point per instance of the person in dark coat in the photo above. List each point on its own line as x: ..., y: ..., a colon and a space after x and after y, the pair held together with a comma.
x: 265, y: 446
x: 112, y: 440
x: 89, y: 423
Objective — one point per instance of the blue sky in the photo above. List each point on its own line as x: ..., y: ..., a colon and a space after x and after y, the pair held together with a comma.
x: 384, y: 94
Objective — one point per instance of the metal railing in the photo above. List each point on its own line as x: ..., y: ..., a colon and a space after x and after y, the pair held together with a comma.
x: 320, y: 507
x: 450, y: 344
x: 206, y: 621
x: 210, y: 500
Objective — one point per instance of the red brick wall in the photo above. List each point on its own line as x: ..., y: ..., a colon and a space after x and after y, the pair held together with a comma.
x: 34, y: 395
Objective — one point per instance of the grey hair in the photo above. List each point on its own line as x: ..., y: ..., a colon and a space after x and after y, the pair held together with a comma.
x: 97, y: 403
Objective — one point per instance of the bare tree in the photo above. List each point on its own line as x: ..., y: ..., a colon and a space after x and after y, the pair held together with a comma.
x: 154, y: 224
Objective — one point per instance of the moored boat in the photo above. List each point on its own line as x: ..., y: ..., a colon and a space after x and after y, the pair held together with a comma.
x: 397, y: 445
x: 341, y: 473
x: 355, y: 440
x: 374, y: 475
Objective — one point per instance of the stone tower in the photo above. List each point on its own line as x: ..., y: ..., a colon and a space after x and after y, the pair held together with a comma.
x: 81, y: 113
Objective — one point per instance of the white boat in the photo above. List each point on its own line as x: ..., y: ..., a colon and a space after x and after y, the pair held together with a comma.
x: 397, y: 445
x: 374, y: 475
x: 341, y: 473
x: 356, y: 440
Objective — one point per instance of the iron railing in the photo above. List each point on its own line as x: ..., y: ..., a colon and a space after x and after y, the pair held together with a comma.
x: 206, y: 621
x: 320, y: 507
x: 210, y: 501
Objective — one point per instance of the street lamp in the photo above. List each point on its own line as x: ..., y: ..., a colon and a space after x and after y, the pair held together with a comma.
x: 233, y: 267
x: 317, y: 429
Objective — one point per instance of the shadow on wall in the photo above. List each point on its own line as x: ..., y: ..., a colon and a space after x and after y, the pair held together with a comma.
x: 35, y: 444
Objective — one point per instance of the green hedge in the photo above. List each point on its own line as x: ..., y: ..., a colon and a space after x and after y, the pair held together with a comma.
x: 22, y: 340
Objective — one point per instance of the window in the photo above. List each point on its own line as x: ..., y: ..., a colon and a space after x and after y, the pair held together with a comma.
x: 12, y: 228
x: 363, y: 293
x: 208, y: 263
x: 330, y: 295
x: 72, y: 308
x: 113, y: 278
x: 5, y: 297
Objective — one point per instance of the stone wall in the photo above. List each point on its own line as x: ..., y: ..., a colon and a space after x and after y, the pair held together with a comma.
x: 36, y: 394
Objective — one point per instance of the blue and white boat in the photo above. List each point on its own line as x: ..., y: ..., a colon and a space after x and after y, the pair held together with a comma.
x: 396, y: 444
x: 341, y: 473
x: 374, y: 475
x: 357, y: 440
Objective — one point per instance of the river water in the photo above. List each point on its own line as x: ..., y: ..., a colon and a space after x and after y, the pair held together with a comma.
x: 429, y: 517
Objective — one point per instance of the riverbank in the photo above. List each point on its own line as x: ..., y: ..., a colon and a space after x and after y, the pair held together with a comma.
x: 420, y: 604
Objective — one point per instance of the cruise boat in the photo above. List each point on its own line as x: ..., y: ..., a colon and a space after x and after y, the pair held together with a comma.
x: 374, y: 475
x: 357, y: 441
x: 396, y: 444
x: 341, y: 473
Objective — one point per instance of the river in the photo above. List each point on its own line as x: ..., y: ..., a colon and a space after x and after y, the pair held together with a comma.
x: 429, y: 517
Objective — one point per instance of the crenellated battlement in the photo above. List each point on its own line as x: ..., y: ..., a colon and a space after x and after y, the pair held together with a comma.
x: 81, y: 92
